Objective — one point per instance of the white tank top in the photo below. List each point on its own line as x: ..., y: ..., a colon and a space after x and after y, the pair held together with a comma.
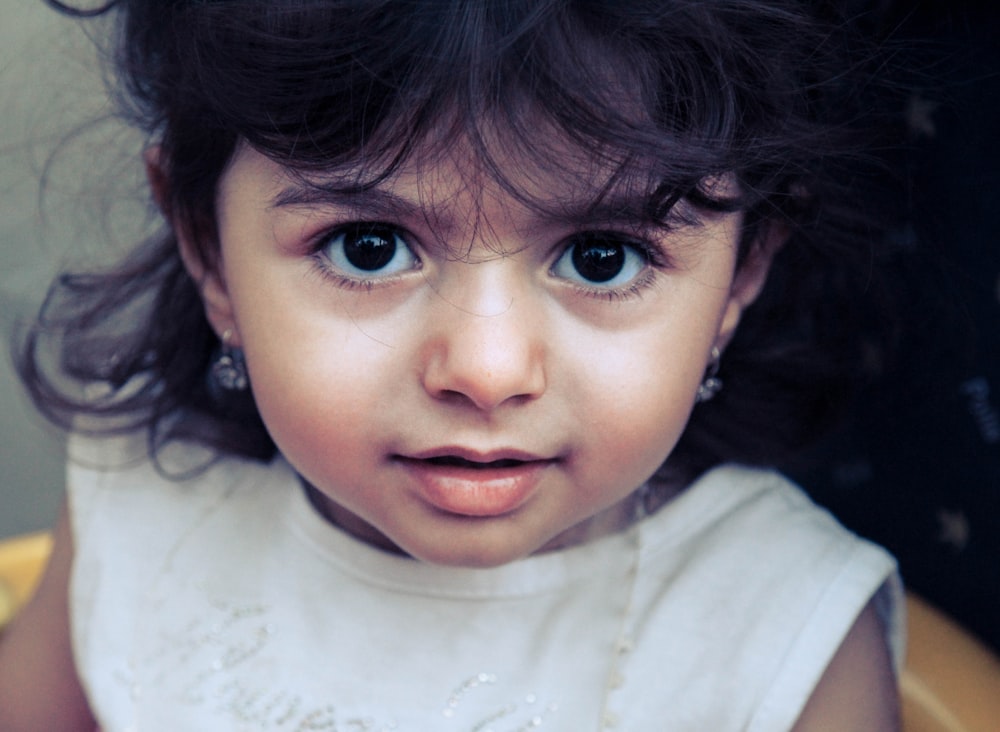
x: 227, y: 603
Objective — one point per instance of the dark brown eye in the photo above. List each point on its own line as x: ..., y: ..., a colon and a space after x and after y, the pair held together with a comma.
x: 364, y: 249
x: 600, y: 259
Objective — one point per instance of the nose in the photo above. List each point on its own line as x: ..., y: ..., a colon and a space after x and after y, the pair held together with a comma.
x: 487, y: 347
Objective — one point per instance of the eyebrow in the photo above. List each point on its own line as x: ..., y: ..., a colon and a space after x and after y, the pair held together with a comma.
x: 612, y: 208
x: 375, y: 201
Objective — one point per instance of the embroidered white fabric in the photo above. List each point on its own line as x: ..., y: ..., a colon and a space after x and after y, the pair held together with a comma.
x: 226, y: 603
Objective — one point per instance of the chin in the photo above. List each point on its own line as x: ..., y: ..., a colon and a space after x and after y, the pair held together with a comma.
x: 469, y: 555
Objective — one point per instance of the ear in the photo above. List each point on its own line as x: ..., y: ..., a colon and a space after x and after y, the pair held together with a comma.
x: 749, y: 280
x: 208, y: 276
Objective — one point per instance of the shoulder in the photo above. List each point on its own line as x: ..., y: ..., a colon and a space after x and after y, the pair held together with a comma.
x: 762, y: 529
x: 744, y: 572
x: 857, y: 690
x: 736, y: 516
x: 120, y: 497
x: 130, y: 513
x: 114, y: 481
x: 145, y: 534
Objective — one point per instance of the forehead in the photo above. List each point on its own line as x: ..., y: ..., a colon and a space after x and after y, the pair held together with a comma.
x: 548, y: 175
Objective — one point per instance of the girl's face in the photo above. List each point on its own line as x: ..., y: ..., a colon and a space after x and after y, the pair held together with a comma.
x: 460, y: 377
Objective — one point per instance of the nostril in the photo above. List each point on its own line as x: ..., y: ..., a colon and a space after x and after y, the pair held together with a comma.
x: 485, y: 366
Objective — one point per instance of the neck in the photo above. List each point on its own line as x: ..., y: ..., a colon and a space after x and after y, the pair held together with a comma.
x: 612, y: 520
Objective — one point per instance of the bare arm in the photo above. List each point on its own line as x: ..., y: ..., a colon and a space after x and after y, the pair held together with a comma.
x: 39, y: 688
x: 857, y: 692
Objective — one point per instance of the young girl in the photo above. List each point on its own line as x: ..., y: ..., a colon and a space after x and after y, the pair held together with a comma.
x: 435, y: 408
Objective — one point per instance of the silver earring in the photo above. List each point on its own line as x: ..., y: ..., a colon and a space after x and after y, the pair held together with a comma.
x: 712, y: 384
x: 229, y: 370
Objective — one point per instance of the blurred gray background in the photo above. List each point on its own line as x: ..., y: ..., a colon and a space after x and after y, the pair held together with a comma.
x: 70, y: 193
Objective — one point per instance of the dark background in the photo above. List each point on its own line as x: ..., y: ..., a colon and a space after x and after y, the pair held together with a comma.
x: 917, y: 468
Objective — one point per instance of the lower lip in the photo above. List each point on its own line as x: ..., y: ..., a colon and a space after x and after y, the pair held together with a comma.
x: 478, y: 492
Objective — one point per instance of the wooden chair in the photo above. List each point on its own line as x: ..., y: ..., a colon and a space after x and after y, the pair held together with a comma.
x: 951, y: 682
x: 22, y: 559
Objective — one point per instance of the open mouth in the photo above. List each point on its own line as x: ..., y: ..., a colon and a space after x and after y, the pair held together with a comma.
x: 459, y: 484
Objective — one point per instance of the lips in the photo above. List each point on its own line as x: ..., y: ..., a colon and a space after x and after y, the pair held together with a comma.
x: 467, y: 483
x: 460, y: 462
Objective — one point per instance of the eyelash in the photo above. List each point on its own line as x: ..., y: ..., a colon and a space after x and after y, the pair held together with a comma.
x: 654, y: 256
x: 324, y: 267
x: 634, y: 289
x: 321, y: 267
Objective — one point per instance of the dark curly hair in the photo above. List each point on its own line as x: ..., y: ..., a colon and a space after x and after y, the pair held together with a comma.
x: 776, y: 92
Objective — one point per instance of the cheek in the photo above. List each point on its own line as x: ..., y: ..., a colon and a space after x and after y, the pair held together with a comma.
x: 635, y: 402
x: 319, y: 389
x: 638, y: 431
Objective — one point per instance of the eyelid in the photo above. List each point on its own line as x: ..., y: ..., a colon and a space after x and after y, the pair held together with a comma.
x: 652, y: 252
x: 650, y: 242
x: 326, y: 266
